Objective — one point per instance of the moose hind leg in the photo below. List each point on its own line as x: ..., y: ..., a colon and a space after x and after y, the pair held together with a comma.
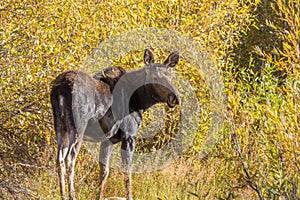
x: 105, y: 154
x: 62, y: 140
x: 61, y: 165
x: 74, y: 147
x: 71, y: 167
x: 127, y: 150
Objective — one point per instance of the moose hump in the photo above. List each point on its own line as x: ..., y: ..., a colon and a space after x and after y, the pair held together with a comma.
x: 110, y: 75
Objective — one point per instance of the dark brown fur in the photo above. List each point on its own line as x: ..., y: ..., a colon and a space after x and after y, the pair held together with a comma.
x: 110, y: 75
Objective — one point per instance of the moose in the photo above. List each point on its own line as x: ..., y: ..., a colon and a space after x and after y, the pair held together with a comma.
x: 107, y: 107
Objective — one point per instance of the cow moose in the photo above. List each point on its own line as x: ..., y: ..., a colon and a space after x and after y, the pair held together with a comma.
x: 107, y: 107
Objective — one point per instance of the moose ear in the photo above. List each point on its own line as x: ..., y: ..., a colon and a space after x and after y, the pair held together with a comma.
x: 172, y: 60
x: 148, y: 57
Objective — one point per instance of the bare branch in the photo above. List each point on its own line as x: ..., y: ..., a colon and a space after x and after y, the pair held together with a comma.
x: 251, y: 183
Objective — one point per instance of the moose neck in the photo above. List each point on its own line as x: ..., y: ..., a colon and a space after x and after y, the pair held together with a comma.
x: 132, y: 88
x: 142, y: 98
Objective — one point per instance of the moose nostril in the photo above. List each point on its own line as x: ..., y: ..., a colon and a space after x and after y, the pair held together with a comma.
x: 172, y: 100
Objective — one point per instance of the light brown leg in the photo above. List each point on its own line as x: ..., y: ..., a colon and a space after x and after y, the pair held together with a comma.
x: 127, y: 150
x: 73, y: 153
x: 61, y: 168
x: 127, y: 180
x: 105, y: 154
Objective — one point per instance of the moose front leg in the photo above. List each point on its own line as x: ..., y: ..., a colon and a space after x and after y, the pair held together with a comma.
x: 105, y: 154
x: 127, y: 150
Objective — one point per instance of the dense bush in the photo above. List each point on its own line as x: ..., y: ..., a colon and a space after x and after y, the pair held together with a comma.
x: 254, y: 44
